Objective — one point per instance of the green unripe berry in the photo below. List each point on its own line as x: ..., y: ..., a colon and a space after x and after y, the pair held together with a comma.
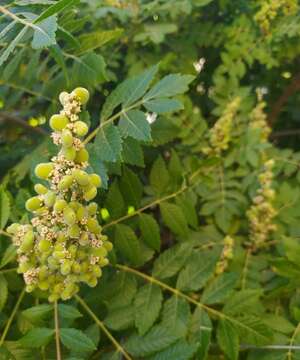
x: 92, y: 282
x: 93, y: 226
x: 108, y: 245
x: 57, y: 255
x: 43, y: 273
x: 65, y: 182
x: 58, y: 122
x: 53, y: 297
x: 13, y: 228
x: 40, y: 189
x: 96, y: 270
x: 43, y: 285
x: 72, y: 250
x: 29, y: 288
x: 90, y: 193
x: 103, y: 262
x: 59, y: 205
x: 81, y: 213
x: 81, y: 156
x: 80, y: 128
x: 67, y: 138
x: 95, y: 180
x: 33, y: 204
x: 74, y: 231
x: 101, y: 251
x: 43, y: 170
x: 81, y: 177
x: 81, y: 255
x: 82, y: 95
x: 69, y: 153
x: 49, y: 198
x: 69, y: 215
x: 28, y: 240
x: 41, y: 210
x: 92, y: 208
x: 74, y: 205
x: 44, y: 245
x: 76, y: 268
x: 65, y: 267
x: 84, y: 239
x: 23, y: 267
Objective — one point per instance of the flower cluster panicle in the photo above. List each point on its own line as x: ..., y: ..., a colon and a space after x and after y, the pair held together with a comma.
x: 220, y: 134
x: 226, y: 256
x: 63, y: 245
x: 262, y: 211
x: 258, y: 118
x: 270, y: 9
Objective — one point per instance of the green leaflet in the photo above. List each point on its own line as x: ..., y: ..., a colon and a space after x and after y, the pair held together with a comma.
x: 37, y: 337
x: 228, y: 339
x: 3, y: 291
x: 220, y: 288
x: 197, y: 271
x: 157, y: 339
x: 76, y: 340
x: 174, y: 218
x: 127, y: 243
x: 4, y: 208
x: 108, y: 143
x: 171, y: 261
x: 147, y: 305
x: 150, y: 231
x: 133, y: 123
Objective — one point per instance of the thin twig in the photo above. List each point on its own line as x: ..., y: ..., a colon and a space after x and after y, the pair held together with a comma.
x: 57, y: 341
x: 13, y: 118
x: 102, y: 327
x: 12, y: 315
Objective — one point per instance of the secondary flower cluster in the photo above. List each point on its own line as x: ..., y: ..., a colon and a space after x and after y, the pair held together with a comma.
x: 63, y: 245
x: 262, y: 211
x: 220, y: 134
x: 271, y: 8
x: 258, y: 119
x: 226, y: 256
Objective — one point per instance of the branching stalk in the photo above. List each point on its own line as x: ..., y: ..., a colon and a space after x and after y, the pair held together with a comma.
x: 57, y: 333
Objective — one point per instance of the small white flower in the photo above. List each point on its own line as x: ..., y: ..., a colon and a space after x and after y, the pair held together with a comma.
x: 151, y: 117
x: 199, y: 65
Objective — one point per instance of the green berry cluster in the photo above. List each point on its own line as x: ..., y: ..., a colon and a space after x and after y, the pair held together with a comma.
x: 262, y: 212
x: 226, y: 256
x: 220, y: 134
x: 63, y: 245
x: 270, y: 9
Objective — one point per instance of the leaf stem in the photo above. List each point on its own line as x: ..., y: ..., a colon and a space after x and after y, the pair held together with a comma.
x: 289, y: 355
x: 12, y: 315
x: 57, y: 333
x: 102, y: 327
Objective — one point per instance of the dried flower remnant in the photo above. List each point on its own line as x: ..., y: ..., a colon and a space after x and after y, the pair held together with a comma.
x: 63, y: 245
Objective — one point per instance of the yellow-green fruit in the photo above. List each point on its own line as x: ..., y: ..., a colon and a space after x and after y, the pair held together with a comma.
x: 67, y: 138
x: 23, y: 267
x: 65, y: 267
x: 82, y: 156
x: 69, y: 216
x: 43, y: 170
x: 108, y: 245
x: 74, y: 231
x: 92, y: 282
x: 82, y: 95
x: 93, y: 226
x: 13, y: 228
x: 29, y: 288
x: 44, y: 245
x: 90, y: 193
x: 76, y: 268
x: 81, y: 177
x: 33, y: 204
x: 53, y: 297
x: 103, y: 262
x: 43, y: 273
x: 84, y: 239
x: 96, y: 270
x: 65, y: 182
x: 49, y: 199
x: 81, y: 213
x: 101, y: 251
x: 92, y: 208
x: 59, y: 205
x: 43, y: 285
x: 95, y: 180
x: 28, y: 240
x: 40, y: 189
x: 69, y: 153
x: 80, y: 128
x: 58, y: 122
